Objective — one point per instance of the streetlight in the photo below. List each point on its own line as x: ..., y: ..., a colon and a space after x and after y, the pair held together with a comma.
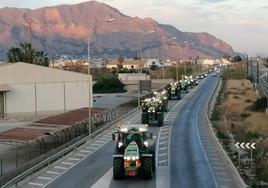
x: 139, y: 52
x: 163, y: 70
x: 89, y: 44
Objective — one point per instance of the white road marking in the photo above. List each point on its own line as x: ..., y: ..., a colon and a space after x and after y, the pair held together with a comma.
x: 60, y: 167
x: 67, y: 163
x: 164, y: 142
x: 81, y: 155
x: 163, y: 137
x: 44, y: 178
x: 162, y: 154
x: 105, y: 180
x: 99, y: 141
x: 52, y: 172
x: 85, y: 151
x: 90, y: 147
x: 162, y: 148
x: 36, y: 184
x: 74, y: 159
x: 96, y: 144
x: 162, y: 161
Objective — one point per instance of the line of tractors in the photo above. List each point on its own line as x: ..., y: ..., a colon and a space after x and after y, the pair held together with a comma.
x: 135, y: 148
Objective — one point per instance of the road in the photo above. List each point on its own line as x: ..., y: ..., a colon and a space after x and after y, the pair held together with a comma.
x: 184, y: 157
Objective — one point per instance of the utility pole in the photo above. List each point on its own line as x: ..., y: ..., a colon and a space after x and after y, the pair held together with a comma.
x: 258, y: 72
x: 177, y: 70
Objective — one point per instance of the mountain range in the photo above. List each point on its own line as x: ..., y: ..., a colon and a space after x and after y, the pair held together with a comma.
x: 65, y: 29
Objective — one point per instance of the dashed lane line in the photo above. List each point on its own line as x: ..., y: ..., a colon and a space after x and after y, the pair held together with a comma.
x: 52, y: 172
x: 44, y: 178
x: 67, y: 163
x: 60, y: 167
x: 36, y: 184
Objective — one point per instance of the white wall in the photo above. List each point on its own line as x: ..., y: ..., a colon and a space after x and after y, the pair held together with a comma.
x: 50, y: 97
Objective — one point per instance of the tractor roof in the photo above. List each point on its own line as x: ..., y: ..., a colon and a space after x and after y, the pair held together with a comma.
x: 134, y: 127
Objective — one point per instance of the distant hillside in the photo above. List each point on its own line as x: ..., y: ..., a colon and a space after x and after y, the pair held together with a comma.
x: 64, y: 29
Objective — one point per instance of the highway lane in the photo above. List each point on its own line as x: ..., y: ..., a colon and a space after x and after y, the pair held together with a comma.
x: 98, y: 165
x: 189, y: 165
x: 186, y: 166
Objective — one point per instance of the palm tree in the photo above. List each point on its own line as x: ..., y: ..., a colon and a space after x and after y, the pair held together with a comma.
x: 27, y: 54
x: 14, y: 54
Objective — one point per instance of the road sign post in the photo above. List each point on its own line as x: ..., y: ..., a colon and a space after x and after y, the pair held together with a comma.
x: 247, y: 145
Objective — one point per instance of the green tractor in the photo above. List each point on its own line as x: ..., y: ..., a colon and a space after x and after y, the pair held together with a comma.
x: 162, y: 97
x: 134, y: 152
x: 173, y: 91
x: 184, y: 85
x: 152, y: 112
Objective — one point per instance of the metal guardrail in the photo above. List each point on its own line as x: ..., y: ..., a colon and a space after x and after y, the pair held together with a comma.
x: 63, y: 152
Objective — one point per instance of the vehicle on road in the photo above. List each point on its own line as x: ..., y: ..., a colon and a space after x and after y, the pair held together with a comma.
x: 174, y: 91
x: 152, y: 112
x: 134, y: 153
x: 163, y: 99
x: 184, y: 85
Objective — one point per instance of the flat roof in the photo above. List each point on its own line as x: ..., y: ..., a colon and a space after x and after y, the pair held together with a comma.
x: 4, y: 87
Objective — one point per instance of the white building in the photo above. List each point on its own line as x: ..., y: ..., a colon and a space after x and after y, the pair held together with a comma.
x: 32, y: 90
x: 151, y: 62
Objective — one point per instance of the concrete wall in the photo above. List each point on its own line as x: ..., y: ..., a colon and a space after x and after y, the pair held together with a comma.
x: 41, y: 98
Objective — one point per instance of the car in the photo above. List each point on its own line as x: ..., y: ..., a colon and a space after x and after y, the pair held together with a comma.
x: 134, y: 153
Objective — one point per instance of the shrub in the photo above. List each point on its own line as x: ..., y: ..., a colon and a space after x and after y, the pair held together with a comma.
x: 259, y: 105
x: 244, y: 115
x: 108, y: 84
x: 215, y: 116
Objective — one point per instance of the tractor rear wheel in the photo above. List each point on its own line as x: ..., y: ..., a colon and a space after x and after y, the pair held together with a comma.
x: 160, y: 119
x: 118, y: 168
x: 144, y: 118
x: 147, y: 168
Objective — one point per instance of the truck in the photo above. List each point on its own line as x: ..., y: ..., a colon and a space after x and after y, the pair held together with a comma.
x: 152, y: 112
x: 184, y: 85
x: 134, y: 153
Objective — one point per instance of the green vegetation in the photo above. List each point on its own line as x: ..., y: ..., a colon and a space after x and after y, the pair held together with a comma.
x: 259, y: 105
x: 234, y: 73
x: 25, y: 53
x: 236, y: 59
x: 108, y: 84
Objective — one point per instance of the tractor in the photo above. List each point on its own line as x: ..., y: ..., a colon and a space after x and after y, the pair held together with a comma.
x: 152, y: 112
x: 162, y: 97
x: 184, y: 85
x: 174, y: 91
x: 134, y: 153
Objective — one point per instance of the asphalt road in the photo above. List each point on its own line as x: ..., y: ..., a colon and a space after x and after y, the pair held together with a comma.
x: 182, y: 159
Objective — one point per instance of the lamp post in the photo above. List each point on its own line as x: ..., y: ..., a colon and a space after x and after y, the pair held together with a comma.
x: 163, y: 70
x: 89, y: 44
x: 139, y: 52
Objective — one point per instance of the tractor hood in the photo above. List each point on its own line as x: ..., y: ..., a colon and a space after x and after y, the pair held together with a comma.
x: 132, y: 152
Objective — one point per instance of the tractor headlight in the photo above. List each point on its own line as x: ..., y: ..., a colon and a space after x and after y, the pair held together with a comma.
x: 146, y: 143
x: 133, y: 158
x: 142, y: 129
x: 120, y: 144
x: 128, y: 158
x: 153, y: 111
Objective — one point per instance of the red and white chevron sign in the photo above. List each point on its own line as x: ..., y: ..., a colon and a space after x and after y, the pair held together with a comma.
x: 244, y: 145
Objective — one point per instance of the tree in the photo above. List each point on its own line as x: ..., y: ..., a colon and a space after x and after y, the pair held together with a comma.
x: 14, y: 54
x: 153, y: 66
x: 236, y: 59
x: 25, y: 53
x: 108, y: 84
x: 120, y: 60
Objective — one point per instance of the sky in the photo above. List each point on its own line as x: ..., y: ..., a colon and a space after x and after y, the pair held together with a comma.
x: 241, y: 23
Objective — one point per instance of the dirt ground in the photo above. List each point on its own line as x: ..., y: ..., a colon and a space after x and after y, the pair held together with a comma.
x: 239, y: 96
